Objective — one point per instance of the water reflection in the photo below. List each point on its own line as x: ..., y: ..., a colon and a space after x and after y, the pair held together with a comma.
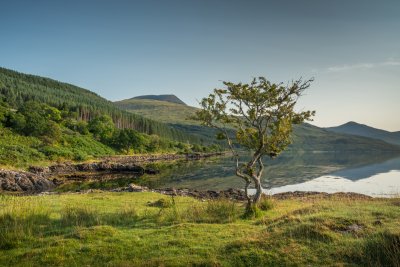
x: 218, y: 173
x: 369, y: 170
x: 385, y: 184
x: 290, y: 168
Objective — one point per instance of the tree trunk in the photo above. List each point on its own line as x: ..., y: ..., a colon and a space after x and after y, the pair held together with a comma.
x: 247, y: 194
x: 259, y: 190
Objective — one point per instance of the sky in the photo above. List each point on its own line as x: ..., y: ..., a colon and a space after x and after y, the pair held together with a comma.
x: 121, y: 49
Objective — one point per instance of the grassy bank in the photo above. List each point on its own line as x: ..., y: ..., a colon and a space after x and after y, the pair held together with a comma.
x: 139, y: 229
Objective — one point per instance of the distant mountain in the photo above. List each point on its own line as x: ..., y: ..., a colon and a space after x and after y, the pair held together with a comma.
x: 355, y: 128
x: 306, y: 137
x: 166, y: 98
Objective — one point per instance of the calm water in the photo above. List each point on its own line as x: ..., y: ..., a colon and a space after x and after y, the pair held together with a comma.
x: 366, y: 173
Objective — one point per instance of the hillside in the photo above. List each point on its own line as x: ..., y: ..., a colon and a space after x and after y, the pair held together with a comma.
x: 166, y: 98
x: 163, y: 111
x: 355, y: 128
x: 306, y: 137
x: 176, y: 115
x: 17, y: 88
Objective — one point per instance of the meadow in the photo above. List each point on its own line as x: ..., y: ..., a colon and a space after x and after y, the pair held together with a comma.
x: 150, y: 229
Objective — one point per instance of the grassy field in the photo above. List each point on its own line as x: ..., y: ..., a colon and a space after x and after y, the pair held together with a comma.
x: 149, y: 229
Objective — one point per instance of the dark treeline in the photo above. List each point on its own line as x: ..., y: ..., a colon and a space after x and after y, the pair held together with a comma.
x: 17, y: 88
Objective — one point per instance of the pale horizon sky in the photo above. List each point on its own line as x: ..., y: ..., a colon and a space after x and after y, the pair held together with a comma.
x: 121, y: 49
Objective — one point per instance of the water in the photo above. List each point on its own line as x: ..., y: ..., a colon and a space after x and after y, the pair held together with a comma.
x: 367, y: 173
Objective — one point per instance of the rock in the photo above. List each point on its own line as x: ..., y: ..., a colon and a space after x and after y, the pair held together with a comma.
x: 137, y: 188
x: 38, y: 169
x: 23, y: 182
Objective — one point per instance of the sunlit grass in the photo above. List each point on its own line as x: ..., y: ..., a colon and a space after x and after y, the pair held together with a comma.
x: 125, y: 229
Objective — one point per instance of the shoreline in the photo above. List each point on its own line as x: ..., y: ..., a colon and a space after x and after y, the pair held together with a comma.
x: 38, y: 179
x: 230, y: 194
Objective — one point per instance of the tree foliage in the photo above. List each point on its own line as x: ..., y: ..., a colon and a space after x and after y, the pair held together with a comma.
x: 261, y: 114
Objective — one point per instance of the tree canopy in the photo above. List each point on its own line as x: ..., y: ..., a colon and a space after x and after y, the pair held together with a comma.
x: 261, y: 115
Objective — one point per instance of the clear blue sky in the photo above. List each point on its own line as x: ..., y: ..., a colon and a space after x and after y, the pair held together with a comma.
x: 121, y: 49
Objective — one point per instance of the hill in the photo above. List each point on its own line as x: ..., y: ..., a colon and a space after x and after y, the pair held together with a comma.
x: 163, y: 111
x: 306, y: 136
x: 166, y: 98
x: 173, y: 114
x: 355, y: 128
x: 17, y: 88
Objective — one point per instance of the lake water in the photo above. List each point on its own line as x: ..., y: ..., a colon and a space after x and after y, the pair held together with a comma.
x: 369, y: 173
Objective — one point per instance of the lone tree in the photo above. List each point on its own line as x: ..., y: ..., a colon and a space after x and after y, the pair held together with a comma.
x: 258, y: 117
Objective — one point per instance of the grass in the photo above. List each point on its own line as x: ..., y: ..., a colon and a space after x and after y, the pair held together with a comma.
x: 149, y: 229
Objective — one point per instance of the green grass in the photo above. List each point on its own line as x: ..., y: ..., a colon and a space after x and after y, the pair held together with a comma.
x: 149, y: 229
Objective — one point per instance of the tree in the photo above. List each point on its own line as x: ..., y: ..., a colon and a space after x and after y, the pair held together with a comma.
x: 126, y: 139
x: 258, y: 117
x: 102, y: 128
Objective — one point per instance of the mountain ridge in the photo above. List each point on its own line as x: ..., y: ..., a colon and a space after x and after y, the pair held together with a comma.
x: 355, y: 128
x: 165, y: 97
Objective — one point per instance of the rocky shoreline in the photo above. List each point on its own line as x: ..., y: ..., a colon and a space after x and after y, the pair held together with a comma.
x: 236, y: 194
x: 232, y: 194
x: 39, y: 179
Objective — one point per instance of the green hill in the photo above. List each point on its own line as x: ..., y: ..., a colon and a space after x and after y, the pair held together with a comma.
x: 355, y: 128
x: 17, y: 88
x: 166, y: 98
x: 174, y: 114
x: 43, y: 120
x: 306, y: 136
x: 163, y: 111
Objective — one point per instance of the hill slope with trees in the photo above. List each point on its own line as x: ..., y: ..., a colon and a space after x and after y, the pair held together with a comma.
x: 17, y: 88
x: 43, y: 120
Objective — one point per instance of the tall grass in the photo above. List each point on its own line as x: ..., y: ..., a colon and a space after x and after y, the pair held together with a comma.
x: 213, y: 211
x: 21, y: 220
x: 382, y: 249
